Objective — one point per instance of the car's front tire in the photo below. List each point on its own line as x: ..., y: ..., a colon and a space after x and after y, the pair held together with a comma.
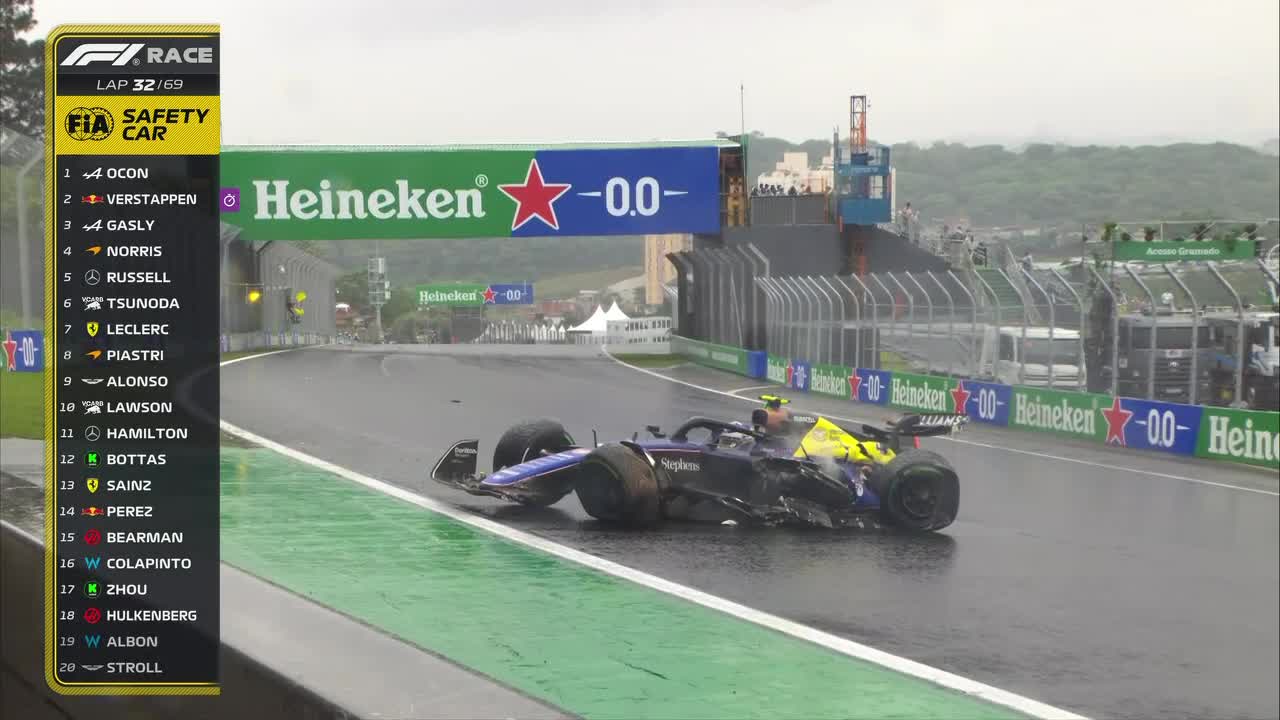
x: 617, y: 486
x: 918, y: 490
x: 529, y: 440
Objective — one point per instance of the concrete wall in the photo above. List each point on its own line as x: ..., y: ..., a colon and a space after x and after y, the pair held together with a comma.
x: 888, y: 252
x: 792, y: 250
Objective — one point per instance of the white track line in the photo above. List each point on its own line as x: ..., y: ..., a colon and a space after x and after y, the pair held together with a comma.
x: 963, y: 441
x: 840, y: 645
x: 746, y: 389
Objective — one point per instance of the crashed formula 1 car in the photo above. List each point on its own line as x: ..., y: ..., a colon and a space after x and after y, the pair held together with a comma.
x: 782, y: 468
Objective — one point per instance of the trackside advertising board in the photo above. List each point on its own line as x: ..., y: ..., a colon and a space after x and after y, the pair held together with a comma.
x: 372, y: 193
x: 1059, y: 411
x: 717, y: 356
x: 474, y: 294
x: 23, y: 350
x: 1244, y: 436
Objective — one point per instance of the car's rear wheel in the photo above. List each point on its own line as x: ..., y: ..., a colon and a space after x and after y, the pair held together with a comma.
x: 530, y: 440
x: 617, y: 486
x: 918, y: 490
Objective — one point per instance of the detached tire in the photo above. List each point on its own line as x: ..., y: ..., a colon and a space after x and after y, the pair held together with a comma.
x: 526, y: 441
x: 918, y: 490
x: 617, y: 486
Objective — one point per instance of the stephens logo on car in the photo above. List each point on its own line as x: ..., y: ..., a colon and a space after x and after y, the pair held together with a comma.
x: 679, y: 465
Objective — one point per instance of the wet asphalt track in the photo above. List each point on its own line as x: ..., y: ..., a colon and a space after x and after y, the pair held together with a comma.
x: 1106, y: 591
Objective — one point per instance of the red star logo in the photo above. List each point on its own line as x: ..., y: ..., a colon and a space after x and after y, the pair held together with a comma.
x: 489, y: 295
x: 855, y: 381
x: 791, y: 371
x: 960, y: 397
x: 534, y: 197
x: 1117, y: 417
x: 10, y: 351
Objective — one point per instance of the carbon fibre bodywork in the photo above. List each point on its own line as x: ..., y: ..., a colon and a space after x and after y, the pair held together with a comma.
x: 815, y: 474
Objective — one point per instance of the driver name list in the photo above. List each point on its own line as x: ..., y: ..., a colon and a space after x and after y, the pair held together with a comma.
x: 132, y: 566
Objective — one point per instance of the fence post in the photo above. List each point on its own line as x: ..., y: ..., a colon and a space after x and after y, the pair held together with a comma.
x: 750, y: 250
x: 770, y: 313
x: 844, y: 318
x: 857, y: 325
x: 1273, y: 287
x: 831, y: 316
x: 929, y: 303
x: 1155, y: 323
x: 792, y: 316
x: 875, y: 324
x: 1240, y: 356
x: 815, y: 338
x: 893, y: 309
x: 1195, y: 333
x: 1080, y: 362
x: 973, y: 324
x: 25, y: 272
x: 1052, y: 350
x: 951, y: 317
x: 1115, y: 329
x: 995, y: 300
x: 911, y: 311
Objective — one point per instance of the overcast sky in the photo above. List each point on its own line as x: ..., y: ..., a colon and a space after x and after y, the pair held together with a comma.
x: 384, y: 71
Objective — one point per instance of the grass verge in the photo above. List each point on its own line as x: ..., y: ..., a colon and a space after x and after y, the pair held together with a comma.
x: 22, y: 405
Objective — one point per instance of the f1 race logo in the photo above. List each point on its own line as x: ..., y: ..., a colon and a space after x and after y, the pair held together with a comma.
x: 114, y: 53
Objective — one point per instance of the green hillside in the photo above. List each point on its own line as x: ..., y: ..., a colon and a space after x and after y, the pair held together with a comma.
x: 1057, y: 183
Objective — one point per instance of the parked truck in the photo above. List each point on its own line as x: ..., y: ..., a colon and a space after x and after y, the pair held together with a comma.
x: 1004, y: 351
x: 1169, y: 357
x: 1260, y: 388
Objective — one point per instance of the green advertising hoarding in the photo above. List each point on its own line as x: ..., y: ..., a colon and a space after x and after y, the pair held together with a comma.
x: 366, y: 193
x: 1182, y: 251
x: 451, y: 294
x: 925, y: 393
x: 719, y: 356
x: 776, y: 369
x: 1060, y: 411
x: 1244, y: 436
x: 831, y: 380
x: 338, y: 195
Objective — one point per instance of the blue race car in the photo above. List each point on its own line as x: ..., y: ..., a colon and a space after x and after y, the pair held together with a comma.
x: 782, y: 468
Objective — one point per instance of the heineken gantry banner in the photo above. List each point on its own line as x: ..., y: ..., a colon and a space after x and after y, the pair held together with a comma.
x: 475, y: 294
x: 1182, y: 251
x: 334, y: 194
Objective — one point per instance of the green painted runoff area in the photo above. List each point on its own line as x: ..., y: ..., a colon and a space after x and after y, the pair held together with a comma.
x: 582, y: 640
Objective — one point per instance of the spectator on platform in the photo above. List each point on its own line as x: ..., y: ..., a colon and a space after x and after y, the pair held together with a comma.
x: 1027, y: 263
x: 792, y: 191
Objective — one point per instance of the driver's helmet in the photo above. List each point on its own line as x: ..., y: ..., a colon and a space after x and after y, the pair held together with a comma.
x: 773, y: 420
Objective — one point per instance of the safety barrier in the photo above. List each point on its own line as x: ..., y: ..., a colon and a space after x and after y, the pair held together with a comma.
x: 239, y: 342
x: 1243, y: 436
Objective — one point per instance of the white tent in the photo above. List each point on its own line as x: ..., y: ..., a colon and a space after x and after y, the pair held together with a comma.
x: 615, y: 313
x: 597, y: 323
